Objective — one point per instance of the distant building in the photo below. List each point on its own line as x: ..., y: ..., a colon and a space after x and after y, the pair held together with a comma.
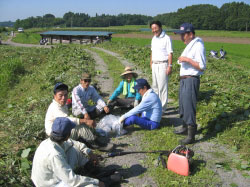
x: 80, y: 37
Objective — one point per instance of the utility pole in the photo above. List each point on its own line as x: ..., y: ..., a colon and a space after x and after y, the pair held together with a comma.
x: 71, y: 22
x: 246, y: 26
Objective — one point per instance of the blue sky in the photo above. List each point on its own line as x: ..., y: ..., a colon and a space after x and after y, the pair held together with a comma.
x: 11, y: 10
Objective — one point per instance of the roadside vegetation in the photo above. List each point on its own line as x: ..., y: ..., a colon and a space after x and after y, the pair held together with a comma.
x: 223, y: 111
x: 29, y: 77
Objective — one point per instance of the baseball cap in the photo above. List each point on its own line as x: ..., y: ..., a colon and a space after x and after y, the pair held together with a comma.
x: 62, y: 126
x: 140, y: 83
x: 86, y: 76
x: 184, y: 28
x: 60, y: 85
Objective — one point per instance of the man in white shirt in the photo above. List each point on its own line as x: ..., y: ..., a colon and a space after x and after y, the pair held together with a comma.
x: 85, y: 128
x: 56, y: 158
x: 160, y: 62
x: 193, y: 64
x: 86, y: 101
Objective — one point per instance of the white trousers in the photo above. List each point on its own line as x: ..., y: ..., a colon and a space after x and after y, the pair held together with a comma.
x: 160, y: 82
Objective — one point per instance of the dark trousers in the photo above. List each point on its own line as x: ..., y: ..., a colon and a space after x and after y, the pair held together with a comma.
x: 188, y: 95
x: 126, y: 103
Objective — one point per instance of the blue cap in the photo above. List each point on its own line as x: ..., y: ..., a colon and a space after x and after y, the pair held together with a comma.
x: 60, y: 85
x: 184, y: 28
x: 62, y: 126
x: 140, y: 83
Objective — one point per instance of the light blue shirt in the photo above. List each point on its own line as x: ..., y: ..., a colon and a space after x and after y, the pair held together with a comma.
x: 119, y: 90
x: 150, y: 107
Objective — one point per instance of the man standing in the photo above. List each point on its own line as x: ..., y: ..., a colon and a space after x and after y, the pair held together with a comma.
x: 57, y: 157
x: 150, y: 108
x: 193, y: 64
x: 86, y: 101
x: 160, y: 62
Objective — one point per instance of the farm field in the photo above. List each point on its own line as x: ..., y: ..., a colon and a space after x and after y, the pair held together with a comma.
x: 223, y: 110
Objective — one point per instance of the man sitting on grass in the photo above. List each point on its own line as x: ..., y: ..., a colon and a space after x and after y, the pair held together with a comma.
x: 150, y: 108
x: 84, y: 130
x: 86, y: 101
x: 57, y: 157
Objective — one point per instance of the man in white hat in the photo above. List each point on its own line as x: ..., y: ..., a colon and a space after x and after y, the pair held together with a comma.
x: 126, y: 87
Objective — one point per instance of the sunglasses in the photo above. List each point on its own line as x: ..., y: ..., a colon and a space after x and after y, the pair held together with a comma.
x: 87, y: 80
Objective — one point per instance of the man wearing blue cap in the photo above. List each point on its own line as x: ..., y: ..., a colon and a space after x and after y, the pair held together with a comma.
x: 193, y: 64
x: 150, y: 108
x: 56, y: 158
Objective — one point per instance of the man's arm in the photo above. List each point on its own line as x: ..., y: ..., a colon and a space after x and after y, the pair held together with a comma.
x: 151, y: 60
x: 170, y: 60
x: 190, y: 61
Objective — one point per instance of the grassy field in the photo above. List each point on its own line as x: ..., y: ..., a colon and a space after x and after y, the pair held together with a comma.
x: 29, y: 74
x: 24, y: 103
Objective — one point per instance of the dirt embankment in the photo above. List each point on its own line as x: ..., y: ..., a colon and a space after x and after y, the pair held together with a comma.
x: 205, y: 38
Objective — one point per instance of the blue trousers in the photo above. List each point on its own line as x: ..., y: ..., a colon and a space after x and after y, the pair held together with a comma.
x: 142, y: 122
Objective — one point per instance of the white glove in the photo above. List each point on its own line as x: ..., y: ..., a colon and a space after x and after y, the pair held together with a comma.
x: 136, y: 103
x: 121, y: 119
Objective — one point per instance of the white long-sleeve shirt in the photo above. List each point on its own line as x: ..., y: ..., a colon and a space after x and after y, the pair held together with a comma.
x: 81, y: 98
x: 197, y: 52
x: 50, y: 166
x: 56, y: 110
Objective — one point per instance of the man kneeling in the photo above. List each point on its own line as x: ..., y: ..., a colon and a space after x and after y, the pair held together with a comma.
x: 150, y: 108
x: 57, y: 157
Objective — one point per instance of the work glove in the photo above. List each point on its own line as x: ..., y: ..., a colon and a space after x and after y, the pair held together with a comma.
x: 121, y: 119
x: 109, y: 101
x: 136, y: 103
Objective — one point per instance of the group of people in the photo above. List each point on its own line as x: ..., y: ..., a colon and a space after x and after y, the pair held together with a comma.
x: 72, y: 136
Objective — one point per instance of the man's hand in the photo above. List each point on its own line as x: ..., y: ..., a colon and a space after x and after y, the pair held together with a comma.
x: 121, y: 119
x: 91, y: 123
x: 86, y: 116
x: 101, y: 184
x: 183, y: 59
x: 93, y: 158
x: 169, y: 70
x: 106, y: 109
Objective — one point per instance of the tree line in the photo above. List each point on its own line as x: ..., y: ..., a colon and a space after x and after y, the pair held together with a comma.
x: 231, y: 16
x: 71, y: 19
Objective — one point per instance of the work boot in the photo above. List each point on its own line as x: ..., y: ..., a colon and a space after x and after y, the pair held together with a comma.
x: 183, y: 130
x: 191, y: 135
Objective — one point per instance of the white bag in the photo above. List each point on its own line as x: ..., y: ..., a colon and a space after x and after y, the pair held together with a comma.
x: 109, y: 124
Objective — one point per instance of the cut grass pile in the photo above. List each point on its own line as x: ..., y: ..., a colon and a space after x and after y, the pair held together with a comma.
x: 24, y: 106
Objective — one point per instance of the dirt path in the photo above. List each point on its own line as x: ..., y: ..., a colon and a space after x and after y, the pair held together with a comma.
x: 213, y: 154
x: 9, y: 42
x: 205, y: 38
x: 132, y: 165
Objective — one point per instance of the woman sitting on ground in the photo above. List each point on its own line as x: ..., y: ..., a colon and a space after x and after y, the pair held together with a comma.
x: 126, y: 87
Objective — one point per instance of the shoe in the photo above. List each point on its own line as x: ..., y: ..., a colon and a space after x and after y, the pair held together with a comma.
x: 191, y: 135
x: 182, y: 130
x: 116, y: 177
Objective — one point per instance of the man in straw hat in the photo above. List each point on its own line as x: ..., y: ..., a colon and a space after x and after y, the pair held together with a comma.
x: 126, y: 87
x: 86, y: 101
x: 160, y: 62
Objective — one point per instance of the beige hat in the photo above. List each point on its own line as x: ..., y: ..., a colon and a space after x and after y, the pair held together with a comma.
x: 129, y: 70
x: 85, y: 76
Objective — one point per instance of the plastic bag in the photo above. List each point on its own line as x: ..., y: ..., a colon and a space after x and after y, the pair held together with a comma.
x: 109, y: 124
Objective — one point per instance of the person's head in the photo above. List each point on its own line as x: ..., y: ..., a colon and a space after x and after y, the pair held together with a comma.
x: 61, y: 93
x: 128, y: 74
x: 142, y: 86
x: 61, y: 129
x: 156, y: 27
x: 85, y: 80
x: 187, y: 32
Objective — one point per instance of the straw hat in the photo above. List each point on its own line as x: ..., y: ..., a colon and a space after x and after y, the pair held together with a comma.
x: 129, y: 70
